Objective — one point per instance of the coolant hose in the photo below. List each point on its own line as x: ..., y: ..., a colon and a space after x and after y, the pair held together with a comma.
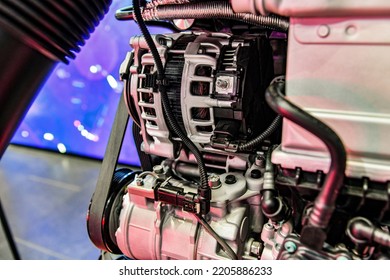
x: 325, y: 202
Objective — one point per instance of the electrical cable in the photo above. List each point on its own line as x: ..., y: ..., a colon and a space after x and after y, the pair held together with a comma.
x: 204, y: 189
x: 220, y: 241
x: 257, y: 141
x: 175, y: 126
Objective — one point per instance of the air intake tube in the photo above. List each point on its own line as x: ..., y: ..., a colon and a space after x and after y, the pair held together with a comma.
x: 34, y: 36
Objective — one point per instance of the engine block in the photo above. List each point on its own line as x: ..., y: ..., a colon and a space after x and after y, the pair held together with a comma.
x: 266, y: 134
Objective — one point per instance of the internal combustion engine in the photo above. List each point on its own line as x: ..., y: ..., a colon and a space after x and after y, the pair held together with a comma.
x: 260, y: 126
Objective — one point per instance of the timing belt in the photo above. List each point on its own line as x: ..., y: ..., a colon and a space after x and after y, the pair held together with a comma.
x: 111, y: 156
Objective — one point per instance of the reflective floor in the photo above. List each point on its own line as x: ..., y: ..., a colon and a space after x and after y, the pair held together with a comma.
x: 45, y: 197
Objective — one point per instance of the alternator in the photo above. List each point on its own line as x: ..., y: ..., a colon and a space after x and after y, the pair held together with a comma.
x: 215, y: 85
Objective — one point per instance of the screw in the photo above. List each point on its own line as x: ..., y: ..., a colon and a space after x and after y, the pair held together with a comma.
x: 158, y: 169
x: 260, y: 161
x: 223, y: 84
x: 256, y: 248
x: 214, y: 181
x: 290, y: 247
x: 139, y: 182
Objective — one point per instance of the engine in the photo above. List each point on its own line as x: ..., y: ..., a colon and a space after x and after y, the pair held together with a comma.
x: 257, y: 135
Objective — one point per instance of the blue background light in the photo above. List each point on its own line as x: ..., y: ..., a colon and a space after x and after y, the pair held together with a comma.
x: 75, y: 109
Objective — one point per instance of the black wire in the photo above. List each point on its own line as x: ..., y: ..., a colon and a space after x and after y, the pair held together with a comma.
x: 220, y: 240
x: 165, y: 100
x: 176, y: 128
x: 257, y: 141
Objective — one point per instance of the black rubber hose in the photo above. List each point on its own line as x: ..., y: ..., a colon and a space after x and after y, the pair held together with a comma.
x: 34, y: 36
x: 363, y: 231
x: 325, y: 202
x: 259, y: 139
x: 55, y: 29
x: 272, y: 205
x: 204, y: 190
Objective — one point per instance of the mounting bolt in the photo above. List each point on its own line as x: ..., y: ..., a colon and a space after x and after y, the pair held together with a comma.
x: 214, y: 181
x: 158, y: 169
x: 139, y: 182
x: 260, y: 161
x: 290, y: 247
x: 256, y: 248
x: 223, y: 84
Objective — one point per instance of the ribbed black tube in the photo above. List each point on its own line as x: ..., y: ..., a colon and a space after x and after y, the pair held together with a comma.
x: 54, y: 28
x: 325, y: 201
x: 264, y: 135
x: 204, y: 190
x: 34, y: 35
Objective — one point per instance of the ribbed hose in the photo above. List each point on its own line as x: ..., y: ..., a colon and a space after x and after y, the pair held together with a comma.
x: 325, y: 202
x: 204, y: 189
x: 55, y: 29
x: 207, y: 10
x: 257, y: 141
x: 155, y: 3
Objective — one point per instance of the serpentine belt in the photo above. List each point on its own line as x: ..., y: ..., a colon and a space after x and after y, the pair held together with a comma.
x: 102, y: 191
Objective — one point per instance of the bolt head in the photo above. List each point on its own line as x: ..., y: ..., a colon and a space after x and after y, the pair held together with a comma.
x: 139, y: 182
x: 158, y: 169
x: 223, y: 84
x: 214, y: 181
x: 290, y: 247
